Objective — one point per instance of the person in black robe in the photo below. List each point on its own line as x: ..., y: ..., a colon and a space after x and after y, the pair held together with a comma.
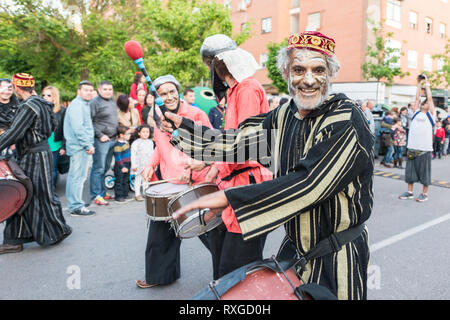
x: 42, y: 221
x: 8, y: 108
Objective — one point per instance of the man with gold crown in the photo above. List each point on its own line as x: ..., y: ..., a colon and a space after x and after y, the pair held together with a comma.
x: 320, y: 148
x: 42, y: 221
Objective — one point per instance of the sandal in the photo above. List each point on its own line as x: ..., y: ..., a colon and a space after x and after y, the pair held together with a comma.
x: 142, y: 284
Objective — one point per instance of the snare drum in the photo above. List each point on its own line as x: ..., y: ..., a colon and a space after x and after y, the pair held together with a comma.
x: 13, y: 193
x: 157, y: 198
x: 193, y: 223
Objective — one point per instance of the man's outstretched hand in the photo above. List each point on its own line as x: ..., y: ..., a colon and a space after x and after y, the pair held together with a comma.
x: 165, y: 125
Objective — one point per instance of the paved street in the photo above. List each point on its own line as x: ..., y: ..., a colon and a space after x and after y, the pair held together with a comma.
x: 105, y: 254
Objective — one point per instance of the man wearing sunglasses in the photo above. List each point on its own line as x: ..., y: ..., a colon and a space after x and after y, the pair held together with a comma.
x: 8, y: 108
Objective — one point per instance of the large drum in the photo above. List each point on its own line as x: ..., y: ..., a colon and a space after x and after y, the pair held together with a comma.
x: 14, y: 193
x: 261, y: 280
x: 195, y: 222
x: 157, y: 198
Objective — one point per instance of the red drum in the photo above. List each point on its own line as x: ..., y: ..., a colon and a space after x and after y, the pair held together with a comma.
x: 266, y: 279
x: 13, y: 192
x: 264, y: 284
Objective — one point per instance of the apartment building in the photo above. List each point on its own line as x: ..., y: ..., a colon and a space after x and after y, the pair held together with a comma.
x: 420, y: 29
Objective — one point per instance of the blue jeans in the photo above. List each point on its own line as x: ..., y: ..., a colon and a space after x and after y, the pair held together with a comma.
x: 388, y: 156
x: 398, y: 152
x: 77, y: 175
x: 101, y: 162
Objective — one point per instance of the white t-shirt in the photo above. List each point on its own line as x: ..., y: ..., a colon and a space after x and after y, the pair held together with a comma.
x: 420, y: 135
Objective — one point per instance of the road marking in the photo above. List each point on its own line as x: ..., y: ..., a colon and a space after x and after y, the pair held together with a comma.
x: 408, y: 233
x: 393, y: 175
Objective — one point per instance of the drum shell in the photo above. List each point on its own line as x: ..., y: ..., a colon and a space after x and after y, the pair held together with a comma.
x: 157, y: 204
x: 189, y: 196
x: 264, y: 284
x: 157, y: 207
x: 13, y: 193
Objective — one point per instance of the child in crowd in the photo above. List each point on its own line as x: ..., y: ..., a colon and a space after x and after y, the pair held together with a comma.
x: 122, y: 164
x: 447, y: 137
x: 385, y: 134
x: 439, y: 139
x: 399, y: 141
x: 141, y: 151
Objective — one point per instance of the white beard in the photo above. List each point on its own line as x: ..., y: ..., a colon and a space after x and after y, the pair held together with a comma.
x: 300, y: 105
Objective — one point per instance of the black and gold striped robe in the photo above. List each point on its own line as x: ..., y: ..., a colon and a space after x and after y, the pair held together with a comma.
x: 43, y: 220
x: 323, y: 171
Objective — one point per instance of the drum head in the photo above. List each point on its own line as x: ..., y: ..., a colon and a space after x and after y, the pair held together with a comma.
x: 192, y: 227
x: 12, y: 196
x: 165, y: 189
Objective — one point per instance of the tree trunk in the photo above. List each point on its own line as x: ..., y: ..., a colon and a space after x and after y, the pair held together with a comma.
x: 84, y: 74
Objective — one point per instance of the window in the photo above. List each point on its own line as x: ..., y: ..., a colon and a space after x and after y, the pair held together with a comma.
x: 266, y: 25
x: 394, y: 13
x: 244, y: 26
x: 397, y: 46
x: 413, y: 20
x: 412, y: 59
x: 440, y: 65
x: 263, y: 57
x: 442, y: 30
x: 295, y: 22
x: 295, y: 3
x: 313, y: 22
x: 427, y: 62
x: 428, y: 25
x: 228, y: 4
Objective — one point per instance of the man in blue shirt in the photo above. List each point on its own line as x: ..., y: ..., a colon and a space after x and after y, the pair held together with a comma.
x: 79, y: 135
x: 217, y: 115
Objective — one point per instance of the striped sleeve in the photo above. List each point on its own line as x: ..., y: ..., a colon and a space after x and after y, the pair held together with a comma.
x: 22, y: 121
x: 328, y: 167
x: 250, y: 142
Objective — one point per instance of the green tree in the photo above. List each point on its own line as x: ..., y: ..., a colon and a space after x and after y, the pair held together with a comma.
x: 441, y: 78
x: 62, y: 46
x: 273, y: 72
x: 383, y: 61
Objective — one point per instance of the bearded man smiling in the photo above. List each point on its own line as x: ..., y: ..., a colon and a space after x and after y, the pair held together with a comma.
x: 320, y: 148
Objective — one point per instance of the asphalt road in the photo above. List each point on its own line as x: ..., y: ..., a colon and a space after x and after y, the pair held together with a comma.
x: 105, y: 254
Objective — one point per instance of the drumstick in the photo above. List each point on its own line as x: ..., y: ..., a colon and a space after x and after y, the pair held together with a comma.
x: 159, y: 181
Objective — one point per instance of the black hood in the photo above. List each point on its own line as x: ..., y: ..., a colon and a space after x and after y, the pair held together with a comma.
x: 219, y: 88
x: 8, y: 111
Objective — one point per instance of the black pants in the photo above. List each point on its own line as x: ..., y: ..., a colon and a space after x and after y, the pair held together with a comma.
x: 162, y: 255
x: 437, y: 148
x: 229, y: 250
x: 121, y: 186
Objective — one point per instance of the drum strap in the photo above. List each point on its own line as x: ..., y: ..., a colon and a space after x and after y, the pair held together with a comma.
x: 235, y: 173
x: 331, y: 244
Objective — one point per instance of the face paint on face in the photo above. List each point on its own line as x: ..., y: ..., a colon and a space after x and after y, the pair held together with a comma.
x: 169, y: 94
x: 308, y: 79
